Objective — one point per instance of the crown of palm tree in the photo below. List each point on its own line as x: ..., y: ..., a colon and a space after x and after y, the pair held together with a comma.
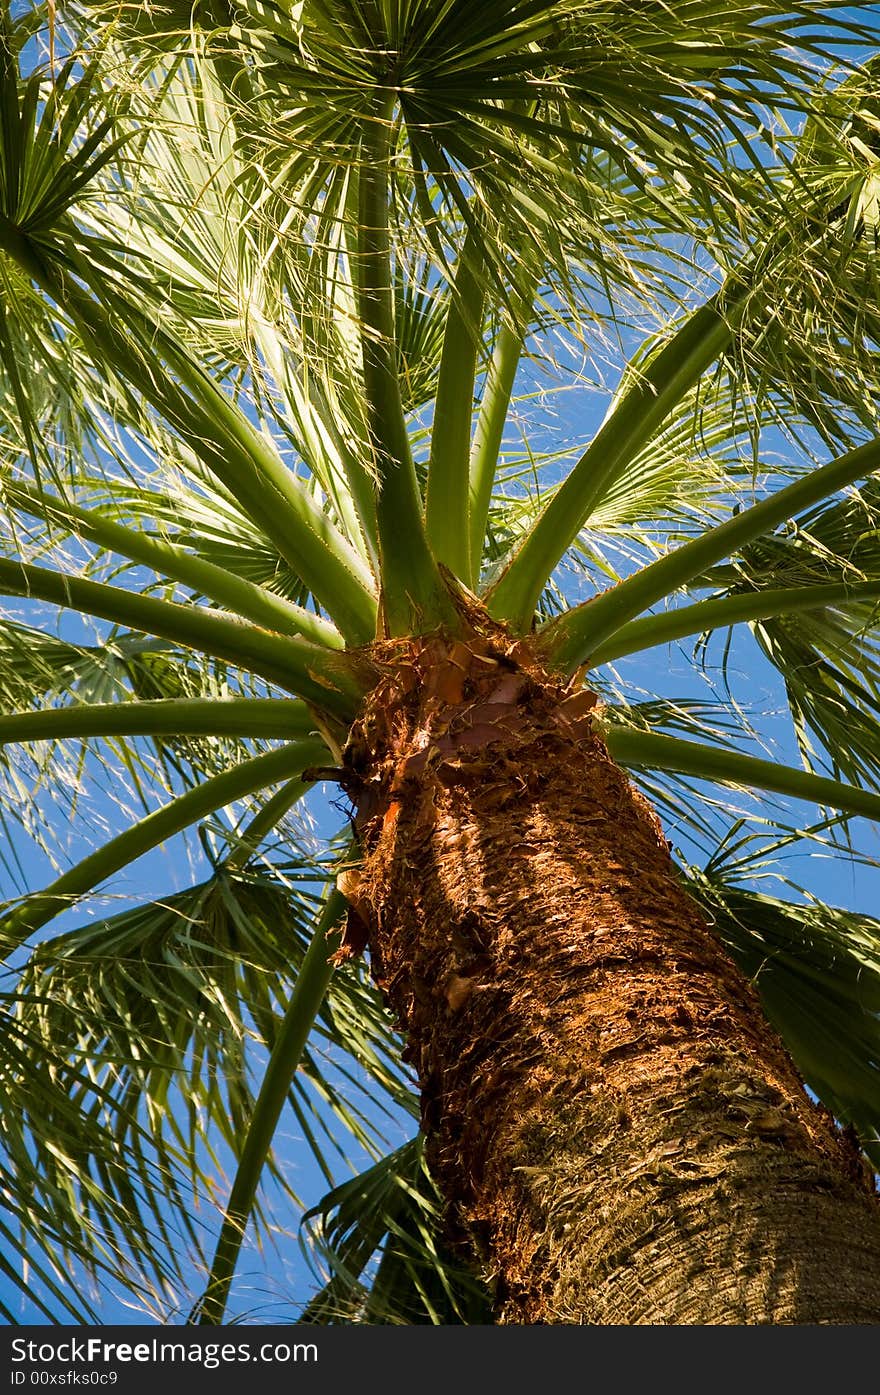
x: 292, y: 299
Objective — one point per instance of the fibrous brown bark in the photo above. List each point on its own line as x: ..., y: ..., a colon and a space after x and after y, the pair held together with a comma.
x: 617, y: 1129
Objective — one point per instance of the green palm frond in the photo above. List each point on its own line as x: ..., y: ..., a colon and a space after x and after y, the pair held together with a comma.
x: 827, y: 656
x: 53, y: 140
x: 85, y: 678
x: 40, y: 785
x: 152, y: 1027
x: 809, y: 332
x: 164, y: 23
x: 679, y: 481
x: 81, y: 1195
x: 192, y: 511
x: 510, y: 96
x: 148, y: 979
x: 695, y: 816
x: 379, y: 1237
x: 817, y: 970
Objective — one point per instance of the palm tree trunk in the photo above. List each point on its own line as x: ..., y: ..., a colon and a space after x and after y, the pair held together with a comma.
x: 619, y: 1132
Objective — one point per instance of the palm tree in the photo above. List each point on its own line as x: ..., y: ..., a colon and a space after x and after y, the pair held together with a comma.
x: 292, y: 295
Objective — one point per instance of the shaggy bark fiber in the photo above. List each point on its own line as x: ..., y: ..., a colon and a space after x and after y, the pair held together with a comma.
x: 618, y: 1131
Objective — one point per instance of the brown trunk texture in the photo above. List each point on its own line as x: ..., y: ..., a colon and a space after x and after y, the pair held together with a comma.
x: 619, y: 1133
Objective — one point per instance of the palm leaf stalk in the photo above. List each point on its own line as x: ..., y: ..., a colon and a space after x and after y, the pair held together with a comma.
x: 292, y: 298
x: 412, y: 591
x: 570, y: 638
x: 175, y: 816
x: 234, y: 593
x: 449, y: 531
x: 305, y: 1001
x: 282, y: 660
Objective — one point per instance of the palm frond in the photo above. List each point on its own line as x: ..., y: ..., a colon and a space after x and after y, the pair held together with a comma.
x: 151, y: 1027
x: 817, y: 970
x: 826, y: 655
x: 380, y: 1238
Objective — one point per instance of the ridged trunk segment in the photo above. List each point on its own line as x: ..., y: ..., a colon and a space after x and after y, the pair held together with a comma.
x: 619, y: 1132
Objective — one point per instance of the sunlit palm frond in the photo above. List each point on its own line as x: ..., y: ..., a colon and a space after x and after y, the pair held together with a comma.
x: 809, y: 332
x: 695, y: 815
x: 189, y: 508
x: 524, y: 106
x: 152, y: 1025
x: 42, y: 782
x: 827, y: 657
x: 77, y: 1194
